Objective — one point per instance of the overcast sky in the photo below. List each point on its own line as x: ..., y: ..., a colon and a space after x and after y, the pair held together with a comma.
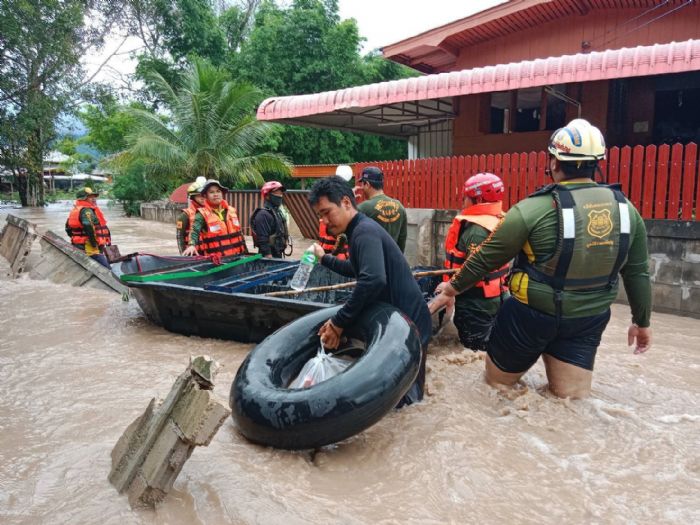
x: 381, y: 22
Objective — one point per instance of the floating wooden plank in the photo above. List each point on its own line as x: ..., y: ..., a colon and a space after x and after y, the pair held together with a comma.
x: 152, y: 451
x: 16, y: 242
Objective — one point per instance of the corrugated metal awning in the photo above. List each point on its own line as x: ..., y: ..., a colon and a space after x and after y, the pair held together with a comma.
x: 399, y: 107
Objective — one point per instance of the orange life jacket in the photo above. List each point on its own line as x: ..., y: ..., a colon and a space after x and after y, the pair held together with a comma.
x: 78, y: 235
x: 487, y: 215
x: 328, y: 242
x: 221, y: 237
x: 191, y: 212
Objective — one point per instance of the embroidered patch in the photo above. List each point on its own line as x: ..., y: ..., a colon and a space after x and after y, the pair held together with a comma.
x: 388, y: 210
x: 179, y: 225
x: 599, y: 223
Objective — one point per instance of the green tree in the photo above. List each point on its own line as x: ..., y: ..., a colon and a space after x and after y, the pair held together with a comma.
x: 306, y: 48
x: 108, y: 125
x: 41, y: 43
x: 212, y: 131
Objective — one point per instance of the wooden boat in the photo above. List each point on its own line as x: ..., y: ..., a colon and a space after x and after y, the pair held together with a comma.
x: 193, y: 296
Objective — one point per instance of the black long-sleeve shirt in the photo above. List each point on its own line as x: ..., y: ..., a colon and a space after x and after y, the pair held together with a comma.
x: 382, y: 274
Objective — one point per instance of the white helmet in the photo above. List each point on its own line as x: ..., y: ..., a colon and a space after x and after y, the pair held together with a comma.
x: 196, y: 187
x: 577, y: 141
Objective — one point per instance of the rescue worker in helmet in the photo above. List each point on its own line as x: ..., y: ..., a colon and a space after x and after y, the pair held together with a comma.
x: 387, y: 212
x: 87, y: 227
x: 336, y: 245
x: 268, y: 225
x: 216, y: 230
x: 186, y: 218
x: 476, y: 308
x: 572, y: 239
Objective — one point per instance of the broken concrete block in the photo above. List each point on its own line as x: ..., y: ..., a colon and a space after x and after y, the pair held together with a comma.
x: 152, y: 451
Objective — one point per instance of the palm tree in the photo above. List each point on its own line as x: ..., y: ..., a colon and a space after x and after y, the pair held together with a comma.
x: 210, y: 130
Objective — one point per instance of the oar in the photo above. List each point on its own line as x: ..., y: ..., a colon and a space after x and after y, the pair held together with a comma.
x: 353, y: 283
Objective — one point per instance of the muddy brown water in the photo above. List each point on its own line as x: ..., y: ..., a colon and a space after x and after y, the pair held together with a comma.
x: 78, y: 365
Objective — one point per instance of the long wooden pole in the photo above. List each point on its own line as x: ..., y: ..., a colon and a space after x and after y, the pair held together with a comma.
x: 353, y: 283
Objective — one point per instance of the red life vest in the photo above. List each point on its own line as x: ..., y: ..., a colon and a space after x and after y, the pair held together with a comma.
x: 487, y: 215
x: 78, y: 235
x: 221, y: 237
x: 328, y: 242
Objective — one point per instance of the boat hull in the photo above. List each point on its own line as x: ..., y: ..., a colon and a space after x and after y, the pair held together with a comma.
x: 230, y: 304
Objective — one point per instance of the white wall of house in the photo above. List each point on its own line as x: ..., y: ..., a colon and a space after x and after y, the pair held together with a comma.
x: 432, y: 140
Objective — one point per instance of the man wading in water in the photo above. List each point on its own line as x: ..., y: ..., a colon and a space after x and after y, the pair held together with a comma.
x: 571, y: 238
x: 376, y: 262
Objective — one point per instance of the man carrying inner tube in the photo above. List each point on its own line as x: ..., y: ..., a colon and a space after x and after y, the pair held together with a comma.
x: 571, y: 238
x: 376, y: 262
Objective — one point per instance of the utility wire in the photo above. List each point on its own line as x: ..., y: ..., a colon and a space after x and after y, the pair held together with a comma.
x: 686, y: 4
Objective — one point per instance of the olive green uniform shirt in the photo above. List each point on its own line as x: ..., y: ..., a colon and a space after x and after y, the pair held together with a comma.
x: 531, y: 226
x: 389, y: 214
x: 183, y: 224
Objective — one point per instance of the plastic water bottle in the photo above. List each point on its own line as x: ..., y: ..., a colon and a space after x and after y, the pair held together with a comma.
x: 301, y: 276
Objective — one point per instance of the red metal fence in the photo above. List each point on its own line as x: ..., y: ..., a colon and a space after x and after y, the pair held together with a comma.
x: 661, y: 181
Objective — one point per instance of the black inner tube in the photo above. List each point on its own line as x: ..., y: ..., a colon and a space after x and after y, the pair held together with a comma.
x: 267, y: 412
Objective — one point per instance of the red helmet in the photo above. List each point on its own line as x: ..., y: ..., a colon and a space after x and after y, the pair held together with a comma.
x: 485, y: 185
x: 271, y: 186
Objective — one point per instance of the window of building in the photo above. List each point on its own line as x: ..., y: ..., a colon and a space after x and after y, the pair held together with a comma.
x: 530, y: 109
x: 500, y: 112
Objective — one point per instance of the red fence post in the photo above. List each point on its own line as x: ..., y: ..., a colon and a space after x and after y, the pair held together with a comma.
x: 612, y: 176
x: 674, y: 183
x: 661, y: 182
x: 540, y: 179
x: 522, y: 177
x: 461, y: 161
x: 649, y: 180
x: 689, y: 174
x: 636, y: 178
x: 505, y: 175
x: 625, y: 163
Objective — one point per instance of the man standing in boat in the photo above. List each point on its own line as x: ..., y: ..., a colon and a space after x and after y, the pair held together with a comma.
x: 268, y: 225
x: 376, y: 262
x: 216, y: 230
x: 572, y: 239
x: 389, y: 213
x: 186, y: 218
x: 476, y: 309
x: 87, y: 227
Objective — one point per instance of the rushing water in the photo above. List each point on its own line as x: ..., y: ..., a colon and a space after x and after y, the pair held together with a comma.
x: 78, y: 365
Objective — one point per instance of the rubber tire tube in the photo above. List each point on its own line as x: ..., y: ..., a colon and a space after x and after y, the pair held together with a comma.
x: 268, y: 413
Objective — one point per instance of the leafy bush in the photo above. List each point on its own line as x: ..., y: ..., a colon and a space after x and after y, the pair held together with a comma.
x: 134, y: 186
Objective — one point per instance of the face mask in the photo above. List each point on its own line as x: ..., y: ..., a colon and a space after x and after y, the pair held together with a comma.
x: 276, y: 200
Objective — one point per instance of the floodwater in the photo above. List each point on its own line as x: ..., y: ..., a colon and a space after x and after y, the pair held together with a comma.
x: 78, y: 365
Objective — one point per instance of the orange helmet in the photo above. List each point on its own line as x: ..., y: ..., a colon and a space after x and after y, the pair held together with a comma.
x: 271, y: 186
x: 485, y: 185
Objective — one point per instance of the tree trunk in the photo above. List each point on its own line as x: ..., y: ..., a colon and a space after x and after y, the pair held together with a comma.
x: 35, y: 175
x: 22, y: 189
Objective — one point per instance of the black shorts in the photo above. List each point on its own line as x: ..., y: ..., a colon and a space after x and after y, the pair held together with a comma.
x: 522, y: 334
x: 473, y: 327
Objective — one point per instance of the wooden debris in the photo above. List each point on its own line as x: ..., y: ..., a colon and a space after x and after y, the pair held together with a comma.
x: 152, y: 451
x: 16, y: 242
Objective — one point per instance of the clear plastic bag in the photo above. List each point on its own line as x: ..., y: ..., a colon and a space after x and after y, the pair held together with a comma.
x: 319, y: 368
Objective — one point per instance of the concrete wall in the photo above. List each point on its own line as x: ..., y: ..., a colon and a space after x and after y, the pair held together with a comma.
x: 674, y: 257
x: 674, y: 266
x: 161, y: 211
